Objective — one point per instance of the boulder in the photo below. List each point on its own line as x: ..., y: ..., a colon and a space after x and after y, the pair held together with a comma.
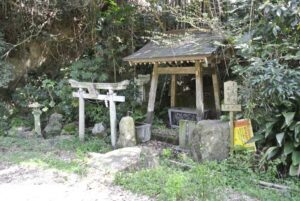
x: 127, y: 132
x: 99, y: 129
x: 210, y: 140
x: 128, y: 158
x: 54, y: 125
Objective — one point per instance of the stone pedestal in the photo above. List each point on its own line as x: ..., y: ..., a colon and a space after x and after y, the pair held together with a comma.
x: 210, y: 140
x: 127, y: 133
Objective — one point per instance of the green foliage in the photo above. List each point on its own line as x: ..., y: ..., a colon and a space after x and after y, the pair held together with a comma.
x: 170, y: 183
x: 6, y: 73
x: 20, y: 121
x: 5, y: 113
x: 6, y: 70
x: 266, y: 40
x: 65, y: 103
x: 282, y: 133
x: 39, y: 90
x: 65, y: 154
x: 71, y: 129
x: 91, y: 144
x: 96, y: 112
x: 89, y: 69
x: 167, y: 153
x: 130, y: 107
x: 208, y: 181
x: 52, y: 95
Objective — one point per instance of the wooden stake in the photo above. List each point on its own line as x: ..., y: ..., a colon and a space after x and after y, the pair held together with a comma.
x: 173, y: 91
x: 231, y: 116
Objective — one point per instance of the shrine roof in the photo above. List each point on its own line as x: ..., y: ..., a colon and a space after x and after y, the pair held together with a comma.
x: 177, y: 47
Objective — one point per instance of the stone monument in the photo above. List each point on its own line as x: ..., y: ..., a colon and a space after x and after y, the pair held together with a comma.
x: 231, y: 105
x: 127, y: 132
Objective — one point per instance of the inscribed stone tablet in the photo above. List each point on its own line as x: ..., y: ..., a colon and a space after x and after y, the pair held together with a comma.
x: 230, y: 93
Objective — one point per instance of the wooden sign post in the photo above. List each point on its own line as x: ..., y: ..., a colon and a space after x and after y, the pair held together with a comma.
x: 88, y: 90
x: 231, y: 105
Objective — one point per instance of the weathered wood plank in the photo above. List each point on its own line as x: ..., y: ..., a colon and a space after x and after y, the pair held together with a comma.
x: 199, y: 90
x: 216, y: 88
x: 173, y: 91
x: 99, y: 97
x: 152, y: 94
x: 176, y: 70
x: 233, y: 108
x: 106, y: 86
x: 177, y: 59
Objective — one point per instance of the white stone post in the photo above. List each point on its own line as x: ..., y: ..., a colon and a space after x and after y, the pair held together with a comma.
x: 113, y: 118
x: 81, y: 116
x: 37, y: 121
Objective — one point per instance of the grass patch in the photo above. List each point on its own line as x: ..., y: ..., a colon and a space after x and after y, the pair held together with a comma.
x: 91, y: 144
x: 207, y: 181
x: 65, y: 154
x: 167, y: 183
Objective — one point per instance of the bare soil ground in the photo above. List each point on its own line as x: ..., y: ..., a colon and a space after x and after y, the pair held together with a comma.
x: 31, y: 182
x: 34, y: 169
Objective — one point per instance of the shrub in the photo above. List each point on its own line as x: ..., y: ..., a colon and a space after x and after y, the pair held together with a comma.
x: 266, y: 64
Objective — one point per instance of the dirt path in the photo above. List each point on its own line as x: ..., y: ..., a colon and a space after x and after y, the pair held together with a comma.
x: 24, y: 176
x: 27, y: 183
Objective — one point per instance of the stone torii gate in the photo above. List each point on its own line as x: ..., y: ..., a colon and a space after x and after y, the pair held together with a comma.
x: 87, y: 90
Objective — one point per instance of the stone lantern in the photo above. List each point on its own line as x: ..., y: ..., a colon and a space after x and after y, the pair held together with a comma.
x: 37, y: 117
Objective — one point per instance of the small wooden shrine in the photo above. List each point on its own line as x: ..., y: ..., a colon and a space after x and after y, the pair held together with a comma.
x: 181, y: 53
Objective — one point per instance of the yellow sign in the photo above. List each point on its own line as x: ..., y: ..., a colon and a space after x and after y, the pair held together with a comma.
x: 243, y: 133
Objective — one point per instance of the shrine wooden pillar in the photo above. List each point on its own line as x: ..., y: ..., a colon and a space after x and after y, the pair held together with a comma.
x: 199, y: 90
x: 152, y: 94
x: 173, y: 90
x: 216, y: 88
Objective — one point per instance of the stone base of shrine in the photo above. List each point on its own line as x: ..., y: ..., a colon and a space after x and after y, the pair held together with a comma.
x: 206, y: 140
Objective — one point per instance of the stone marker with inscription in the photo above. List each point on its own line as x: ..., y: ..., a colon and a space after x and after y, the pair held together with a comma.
x: 231, y: 105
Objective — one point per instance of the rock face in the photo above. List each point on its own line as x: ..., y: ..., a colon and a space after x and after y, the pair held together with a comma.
x: 54, y: 125
x: 127, y: 133
x: 210, y: 140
